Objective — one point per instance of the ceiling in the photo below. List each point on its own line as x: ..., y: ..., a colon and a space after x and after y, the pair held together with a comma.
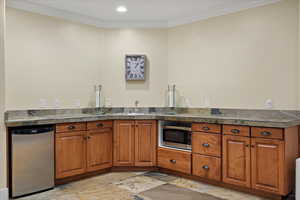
x: 141, y: 13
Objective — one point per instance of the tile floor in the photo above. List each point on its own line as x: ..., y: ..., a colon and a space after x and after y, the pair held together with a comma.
x: 139, y: 186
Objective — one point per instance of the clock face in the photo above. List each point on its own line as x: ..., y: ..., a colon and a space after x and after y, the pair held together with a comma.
x: 135, y: 67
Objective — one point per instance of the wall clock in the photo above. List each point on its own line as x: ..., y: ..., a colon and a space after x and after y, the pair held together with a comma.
x: 135, y: 67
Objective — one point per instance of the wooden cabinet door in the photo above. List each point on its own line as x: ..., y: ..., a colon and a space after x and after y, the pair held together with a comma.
x: 70, y: 154
x: 267, y: 165
x: 124, y: 143
x: 99, y: 149
x: 236, y: 160
x: 145, y: 143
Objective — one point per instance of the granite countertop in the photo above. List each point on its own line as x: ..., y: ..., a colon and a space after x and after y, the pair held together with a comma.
x: 262, y: 118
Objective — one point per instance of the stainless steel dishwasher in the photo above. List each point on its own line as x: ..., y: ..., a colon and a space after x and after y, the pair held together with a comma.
x: 32, y: 159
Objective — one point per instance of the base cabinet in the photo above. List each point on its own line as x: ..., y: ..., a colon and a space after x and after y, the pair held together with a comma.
x: 78, y: 152
x: 267, y: 165
x: 236, y: 160
x: 99, y: 149
x: 208, y: 167
x: 256, y: 159
x: 265, y: 161
x: 174, y: 160
x: 135, y: 143
x: 70, y: 154
x: 124, y: 143
x: 145, y: 137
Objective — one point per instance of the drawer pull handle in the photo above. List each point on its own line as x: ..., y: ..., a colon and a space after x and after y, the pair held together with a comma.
x: 235, y: 131
x: 99, y: 125
x: 206, y: 128
x: 173, y: 161
x: 71, y: 127
x: 205, y: 145
x: 266, y: 133
x: 205, y: 167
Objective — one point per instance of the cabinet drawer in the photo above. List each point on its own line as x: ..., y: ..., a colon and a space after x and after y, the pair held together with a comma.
x: 99, y: 125
x: 174, y: 160
x: 272, y: 133
x: 207, y: 167
x: 236, y: 130
x: 206, y: 144
x: 204, y: 127
x: 69, y: 127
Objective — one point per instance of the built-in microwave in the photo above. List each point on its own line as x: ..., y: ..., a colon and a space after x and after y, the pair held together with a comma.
x: 175, y: 135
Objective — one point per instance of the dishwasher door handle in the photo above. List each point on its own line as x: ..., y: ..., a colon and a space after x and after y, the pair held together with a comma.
x: 32, y: 131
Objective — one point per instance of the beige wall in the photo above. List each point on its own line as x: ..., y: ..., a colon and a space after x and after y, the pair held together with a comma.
x: 2, y: 100
x: 238, y: 60
x: 50, y: 59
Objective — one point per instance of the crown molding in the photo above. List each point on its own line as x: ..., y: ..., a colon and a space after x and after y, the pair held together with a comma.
x: 233, y: 8
x: 76, y: 17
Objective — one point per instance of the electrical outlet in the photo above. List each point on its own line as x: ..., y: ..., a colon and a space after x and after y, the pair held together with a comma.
x: 43, y: 103
x: 77, y: 103
x: 269, y: 103
x: 56, y: 103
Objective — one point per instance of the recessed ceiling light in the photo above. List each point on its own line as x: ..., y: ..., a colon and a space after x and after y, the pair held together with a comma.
x: 121, y: 9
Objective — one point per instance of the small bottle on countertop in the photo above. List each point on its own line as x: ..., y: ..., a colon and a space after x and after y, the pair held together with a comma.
x: 98, y: 95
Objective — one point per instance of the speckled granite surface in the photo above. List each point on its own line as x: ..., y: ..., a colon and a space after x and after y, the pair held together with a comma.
x: 263, y: 118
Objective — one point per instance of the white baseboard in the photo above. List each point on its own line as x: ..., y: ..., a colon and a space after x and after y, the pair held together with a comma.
x: 4, y: 194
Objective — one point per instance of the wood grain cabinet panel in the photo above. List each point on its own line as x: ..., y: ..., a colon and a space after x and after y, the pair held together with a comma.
x: 174, y: 160
x: 70, y: 154
x: 124, y: 143
x: 205, y: 127
x: 206, y: 143
x: 70, y: 127
x: 207, y: 167
x: 268, y: 133
x: 236, y: 130
x: 236, y: 160
x: 268, y: 165
x: 99, y: 149
x: 99, y: 125
x: 145, y: 143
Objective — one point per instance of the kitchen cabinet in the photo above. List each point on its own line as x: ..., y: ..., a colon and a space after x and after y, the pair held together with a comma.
x: 145, y: 143
x: 267, y: 159
x: 208, y: 167
x: 135, y: 143
x: 124, y: 143
x: 99, y: 146
x: 70, y: 154
x: 259, y: 163
x: 206, y: 143
x: 174, y: 160
x: 236, y: 160
x: 78, y: 150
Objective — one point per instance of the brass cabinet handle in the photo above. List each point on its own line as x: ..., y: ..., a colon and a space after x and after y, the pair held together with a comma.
x: 205, y: 145
x: 247, y: 145
x: 235, y: 131
x: 265, y: 133
x: 72, y: 127
x: 173, y: 161
x: 87, y: 137
x: 206, y: 128
x: 99, y: 125
x: 205, y: 167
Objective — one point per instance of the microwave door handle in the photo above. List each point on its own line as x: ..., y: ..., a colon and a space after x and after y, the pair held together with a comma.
x: 178, y: 128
